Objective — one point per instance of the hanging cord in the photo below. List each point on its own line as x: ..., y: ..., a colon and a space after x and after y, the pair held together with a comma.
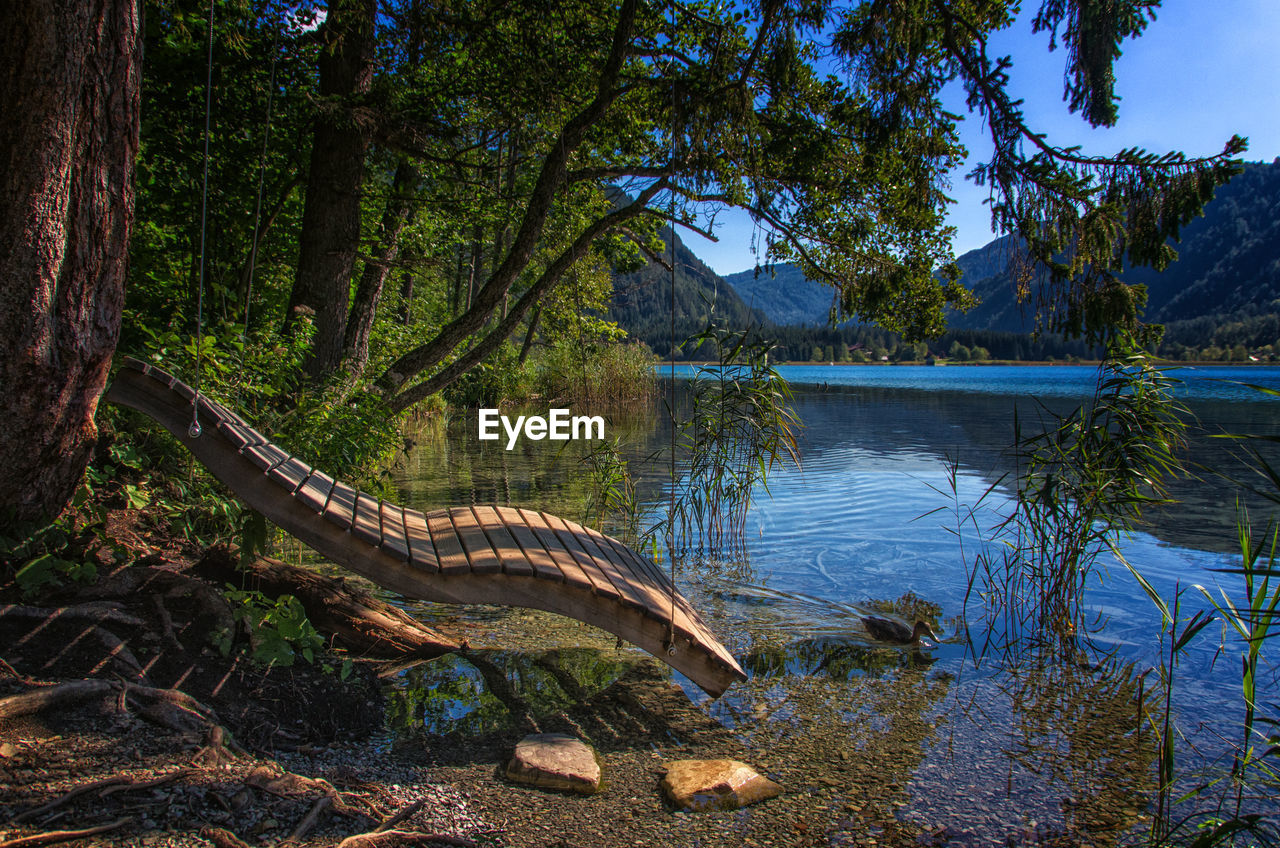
x: 194, y: 430
x: 671, y: 362
x: 262, y: 178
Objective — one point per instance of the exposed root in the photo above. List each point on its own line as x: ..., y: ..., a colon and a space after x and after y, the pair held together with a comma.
x: 392, y: 838
x: 166, y: 707
x: 400, y: 815
x: 222, y: 838
x: 309, y: 821
x: 98, y: 612
x: 54, y: 836
x: 106, y: 786
x: 50, y: 697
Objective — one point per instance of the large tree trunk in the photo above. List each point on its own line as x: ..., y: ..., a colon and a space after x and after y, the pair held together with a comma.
x: 330, y: 234
x: 365, y: 305
x: 69, y: 97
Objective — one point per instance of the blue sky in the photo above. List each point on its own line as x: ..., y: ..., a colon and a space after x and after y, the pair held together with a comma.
x: 1205, y: 69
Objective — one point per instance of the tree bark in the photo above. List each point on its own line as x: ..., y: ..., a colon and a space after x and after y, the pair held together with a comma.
x: 330, y: 235
x: 69, y: 94
x: 365, y: 305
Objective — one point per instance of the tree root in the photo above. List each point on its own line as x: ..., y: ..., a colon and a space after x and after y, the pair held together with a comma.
x: 400, y: 815
x: 98, y: 612
x: 309, y: 820
x: 360, y: 622
x: 222, y: 838
x: 168, y: 708
x: 392, y: 838
x: 54, y: 836
x: 106, y: 786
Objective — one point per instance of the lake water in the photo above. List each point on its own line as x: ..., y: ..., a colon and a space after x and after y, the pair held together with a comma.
x: 970, y: 748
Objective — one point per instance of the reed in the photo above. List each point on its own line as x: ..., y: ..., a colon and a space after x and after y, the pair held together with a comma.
x: 740, y: 427
x: 1083, y: 481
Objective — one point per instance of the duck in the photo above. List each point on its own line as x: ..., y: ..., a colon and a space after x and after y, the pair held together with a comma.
x: 889, y: 630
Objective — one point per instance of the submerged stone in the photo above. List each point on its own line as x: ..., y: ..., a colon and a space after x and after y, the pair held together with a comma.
x: 698, y: 785
x: 555, y: 761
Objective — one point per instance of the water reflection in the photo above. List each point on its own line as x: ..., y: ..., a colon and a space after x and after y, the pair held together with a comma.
x: 487, y: 691
x: 892, y: 743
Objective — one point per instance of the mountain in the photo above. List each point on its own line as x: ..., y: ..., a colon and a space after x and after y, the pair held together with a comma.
x: 1224, y: 289
x: 642, y: 300
x: 784, y: 295
x: 1227, y: 271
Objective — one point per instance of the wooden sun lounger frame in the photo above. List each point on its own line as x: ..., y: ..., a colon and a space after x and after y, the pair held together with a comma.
x: 463, y: 555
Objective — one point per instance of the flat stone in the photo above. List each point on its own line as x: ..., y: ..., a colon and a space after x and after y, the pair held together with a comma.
x: 555, y: 761
x: 698, y: 785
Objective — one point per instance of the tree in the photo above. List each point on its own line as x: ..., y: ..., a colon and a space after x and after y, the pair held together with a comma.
x: 676, y: 112
x: 69, y: 93
x: 330, y: 233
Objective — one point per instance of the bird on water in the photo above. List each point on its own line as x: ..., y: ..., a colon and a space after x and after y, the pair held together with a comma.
x: 888, y: 630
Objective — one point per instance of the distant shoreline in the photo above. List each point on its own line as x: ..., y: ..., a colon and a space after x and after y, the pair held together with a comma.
x: 946, y: 363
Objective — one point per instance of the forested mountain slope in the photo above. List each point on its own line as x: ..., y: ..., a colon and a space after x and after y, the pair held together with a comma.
x: 642, y: 300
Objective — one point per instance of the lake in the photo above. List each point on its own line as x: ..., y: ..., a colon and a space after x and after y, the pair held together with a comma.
x: 972, y: 748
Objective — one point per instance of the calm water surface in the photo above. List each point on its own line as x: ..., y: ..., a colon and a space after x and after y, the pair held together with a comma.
x: 970, y: 749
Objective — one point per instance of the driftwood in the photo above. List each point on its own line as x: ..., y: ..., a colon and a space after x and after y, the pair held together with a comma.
x: 360, y: 622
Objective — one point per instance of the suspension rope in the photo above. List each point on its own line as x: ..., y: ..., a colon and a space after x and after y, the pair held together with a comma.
x: 194, y: 430
x: 262, y: 177
x: 671, y: 362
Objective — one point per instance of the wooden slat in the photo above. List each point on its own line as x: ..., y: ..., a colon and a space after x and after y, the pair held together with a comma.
x: 451, y: 557
x: 569, y: 567
x: 514, y: 562
x: 341, y: 506
x: 483, y: 558
x: 422, y: 554
x: 233, y: 434
x: 290, y: 474
x: 638, y: 578
x: 601, y: 583
x: 184, y: 391
x: 393, y: 537
x: 656, y: 583
x: 265, y: 456
x: 315, y: 492
x: 544, y: 567
x: 367, y: 524
x: 581, y: 546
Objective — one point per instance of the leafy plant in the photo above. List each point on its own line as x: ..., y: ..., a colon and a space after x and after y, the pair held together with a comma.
x: 279, y: 630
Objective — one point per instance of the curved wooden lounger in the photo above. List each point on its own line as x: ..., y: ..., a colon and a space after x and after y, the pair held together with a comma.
x: 464, y: 555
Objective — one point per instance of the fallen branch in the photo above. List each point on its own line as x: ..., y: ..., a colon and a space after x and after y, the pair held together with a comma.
x: 399, y: 816
x: 309, y: 821
x: 53, y: 836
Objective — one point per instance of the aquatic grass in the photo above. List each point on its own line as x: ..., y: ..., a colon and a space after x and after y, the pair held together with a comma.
x: 741, y: 426
x: 1083, y: 481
